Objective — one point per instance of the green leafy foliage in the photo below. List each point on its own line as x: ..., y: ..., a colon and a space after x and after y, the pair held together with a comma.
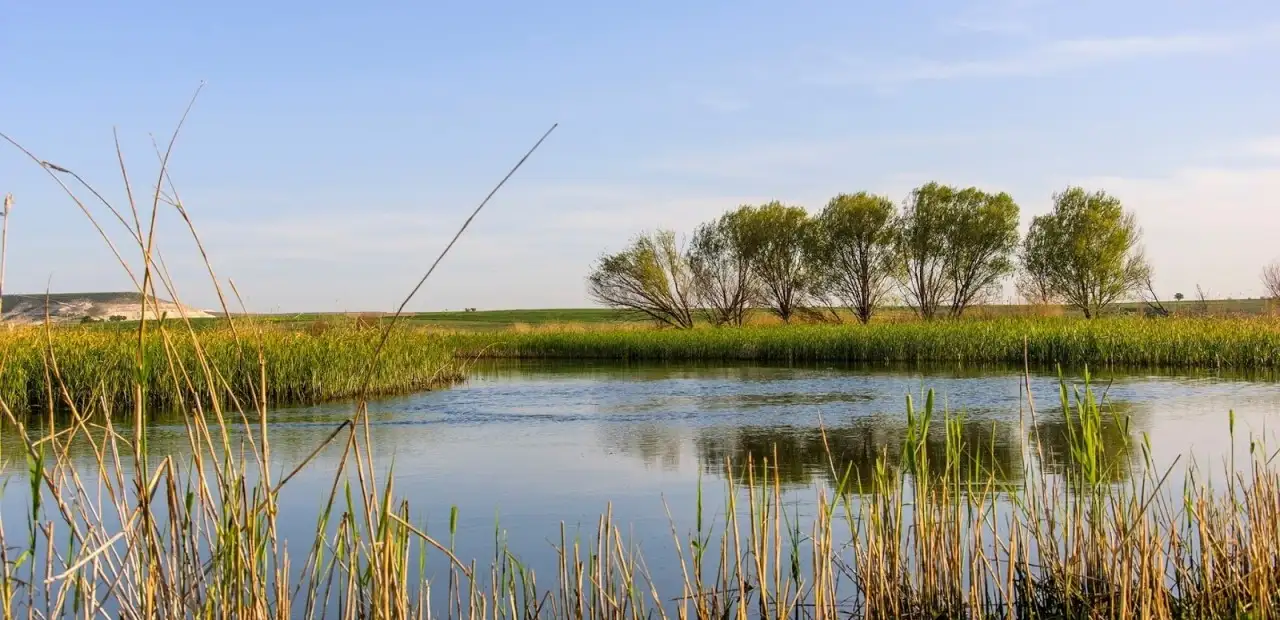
x: 955, y: 245
x: 1087, y: 250
x: 778, y: 241
x: 922, y: 235
x: 855, y: 250
x: 94, y: 368
x: 1252, y: 343
x: 720, y: 260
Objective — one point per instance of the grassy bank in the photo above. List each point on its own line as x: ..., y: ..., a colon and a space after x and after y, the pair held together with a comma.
x: 96, y: 366
x: 92, y: 368
x: 1241, y: 343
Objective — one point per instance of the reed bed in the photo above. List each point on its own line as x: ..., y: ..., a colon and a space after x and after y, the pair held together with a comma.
x: 99, y: 368
x: 1238, y: 343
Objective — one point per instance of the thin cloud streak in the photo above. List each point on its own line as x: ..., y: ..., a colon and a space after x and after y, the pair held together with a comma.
x: 1049, y: 57
x: 996, y: 17
x: 773, y: 159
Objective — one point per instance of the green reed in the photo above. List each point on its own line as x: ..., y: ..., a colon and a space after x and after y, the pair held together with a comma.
x: 1237, y: 343
x: 96, y: 368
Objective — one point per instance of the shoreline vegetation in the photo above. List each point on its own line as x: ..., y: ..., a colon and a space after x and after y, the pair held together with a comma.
x: 1239, y: 343
x: 94, y: 367
x: 92, y: 370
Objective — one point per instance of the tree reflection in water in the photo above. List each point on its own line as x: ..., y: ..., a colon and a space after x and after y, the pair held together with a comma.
x: 805, y: 455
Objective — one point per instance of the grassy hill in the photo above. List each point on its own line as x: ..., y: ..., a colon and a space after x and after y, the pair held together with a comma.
x: 80, y: 307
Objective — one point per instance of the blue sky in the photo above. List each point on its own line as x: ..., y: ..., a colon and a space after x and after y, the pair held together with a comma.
x: 336, y: 147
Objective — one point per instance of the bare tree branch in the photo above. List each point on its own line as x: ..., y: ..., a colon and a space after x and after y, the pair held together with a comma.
x: 651, y: 277
x: 1271, y: 280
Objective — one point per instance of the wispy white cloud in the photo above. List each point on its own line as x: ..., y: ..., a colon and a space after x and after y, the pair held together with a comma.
x: 748, y: 161
x: 989, y: 25
x: 1268, y: 146
x: 723, y: 104
x: 609, y: 213
x: 807, y: 157
x: 549, y: 218
x: 998, y: 17
x: 320, y: 236
x: 1046, y: 57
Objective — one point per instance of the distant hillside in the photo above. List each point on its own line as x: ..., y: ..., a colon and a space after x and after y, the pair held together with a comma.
x: 77, y: 307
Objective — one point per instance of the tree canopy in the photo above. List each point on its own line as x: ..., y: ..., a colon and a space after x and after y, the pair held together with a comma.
x: 854, y: 247
x: 1271, y: 280
x: 1088, y: 249
x: 944, y: 250
x: 954, y: 246
x: 921, y: 241
x: 777, y: 241
x: 651, y: 277
x: 982, y: 235
x: 721, y: 267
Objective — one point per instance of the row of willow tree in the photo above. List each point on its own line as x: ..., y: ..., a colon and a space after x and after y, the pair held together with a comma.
x: 944, y: 250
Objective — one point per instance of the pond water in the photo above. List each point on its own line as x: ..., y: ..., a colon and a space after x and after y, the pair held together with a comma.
x: 527, y: 446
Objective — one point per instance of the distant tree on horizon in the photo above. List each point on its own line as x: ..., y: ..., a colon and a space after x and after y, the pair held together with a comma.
x: 778, y: 241
x: 981, y: 242
x: 1271, y: 280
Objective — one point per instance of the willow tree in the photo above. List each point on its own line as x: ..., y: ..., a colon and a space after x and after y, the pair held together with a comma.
x: 650, y: 277
x: 1088, y: 249
x: 778, y: 244
x: 981, y: 238
x: 920, y: 240
x: 855, y: 244
x: 721, y: 267
x: 955, y: 245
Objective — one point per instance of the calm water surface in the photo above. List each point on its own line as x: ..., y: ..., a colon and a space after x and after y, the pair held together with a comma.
x: 523, y: 447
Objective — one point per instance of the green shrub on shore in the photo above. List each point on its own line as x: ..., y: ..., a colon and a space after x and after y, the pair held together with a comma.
x: 1242, y: 343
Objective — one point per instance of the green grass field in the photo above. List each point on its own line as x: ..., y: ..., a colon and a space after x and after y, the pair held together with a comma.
x: 487, y: 320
